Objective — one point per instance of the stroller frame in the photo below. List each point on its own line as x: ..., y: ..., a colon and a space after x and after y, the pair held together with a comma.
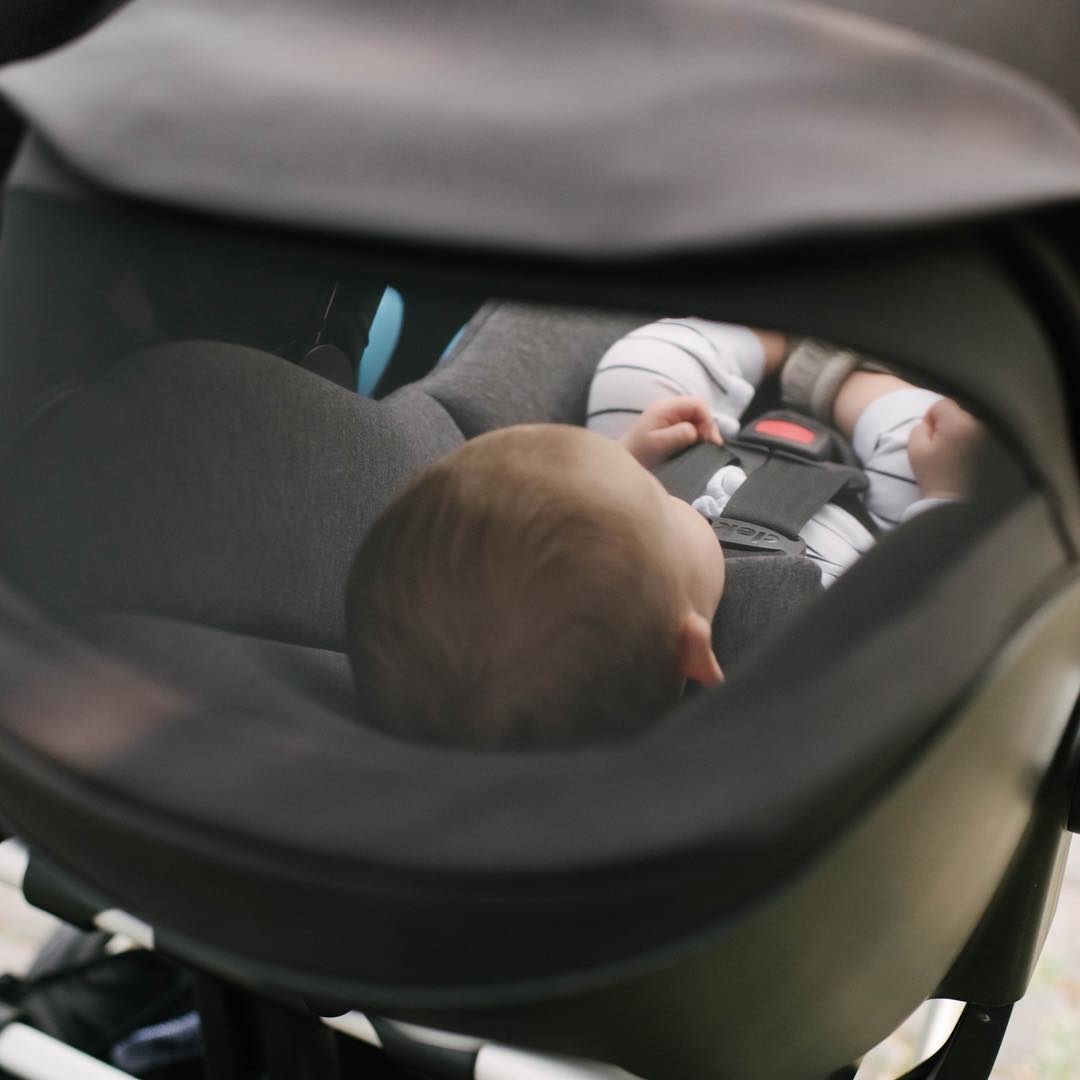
x: 248, y: 1037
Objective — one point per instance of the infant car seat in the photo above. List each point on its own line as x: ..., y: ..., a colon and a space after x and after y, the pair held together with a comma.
x: 872, y: 812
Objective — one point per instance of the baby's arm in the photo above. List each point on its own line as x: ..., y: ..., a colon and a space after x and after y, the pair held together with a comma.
x: 858, y: 392
x: 878, y: 413
x: 916, y: 446
x: 718, y: 362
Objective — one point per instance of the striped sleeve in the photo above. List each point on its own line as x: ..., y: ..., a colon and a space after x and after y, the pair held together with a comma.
x: 880, y: 440
x: 719, y: 362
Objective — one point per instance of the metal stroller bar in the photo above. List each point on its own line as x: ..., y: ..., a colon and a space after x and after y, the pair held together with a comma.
x: 14, y: 862
x: 30, y: 1054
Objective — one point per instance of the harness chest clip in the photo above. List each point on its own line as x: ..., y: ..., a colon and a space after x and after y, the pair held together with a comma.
x: 792, y: 434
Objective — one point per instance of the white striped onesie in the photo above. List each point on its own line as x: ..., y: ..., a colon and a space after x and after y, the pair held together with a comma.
x: 724, y: 364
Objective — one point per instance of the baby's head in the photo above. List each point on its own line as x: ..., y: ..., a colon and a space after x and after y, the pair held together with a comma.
x: 535, y: 587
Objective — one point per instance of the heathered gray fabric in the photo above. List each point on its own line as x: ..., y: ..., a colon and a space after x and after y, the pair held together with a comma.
x: 211, y: 483
x: 762, y: 593
x: 600, y: 129
x: 1037, y: 39
x: 239, y: 673
x: 520, y: 363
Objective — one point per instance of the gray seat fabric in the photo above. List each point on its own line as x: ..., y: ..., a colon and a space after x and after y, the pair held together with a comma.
x: 220, y: 485
x: 211, y: 483
x: 237, y: 673
x: 519, y: 363
x: 762, y: 595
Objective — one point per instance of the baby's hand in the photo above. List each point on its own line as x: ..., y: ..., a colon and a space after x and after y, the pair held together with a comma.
x: 668, y: 426
x: 942, y: 450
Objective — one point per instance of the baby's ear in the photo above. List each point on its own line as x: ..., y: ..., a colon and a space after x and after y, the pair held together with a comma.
x: 697, y: 660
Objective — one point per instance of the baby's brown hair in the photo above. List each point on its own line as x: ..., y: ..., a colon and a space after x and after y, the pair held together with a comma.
x: 504, y: 600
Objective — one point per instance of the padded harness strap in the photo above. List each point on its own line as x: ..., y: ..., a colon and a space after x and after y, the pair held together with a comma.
x: 787, y: 481
x: 686, y: 474
x: 784, y: 495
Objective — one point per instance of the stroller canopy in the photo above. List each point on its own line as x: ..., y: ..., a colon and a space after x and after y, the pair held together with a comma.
x: 592, y: 129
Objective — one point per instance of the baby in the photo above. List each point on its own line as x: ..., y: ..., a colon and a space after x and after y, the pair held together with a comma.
x: 538, y: 586
x: 881, y: 416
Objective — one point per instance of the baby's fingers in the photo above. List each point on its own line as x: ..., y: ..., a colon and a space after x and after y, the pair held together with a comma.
x: 687, y: 408
x: 670, y: 440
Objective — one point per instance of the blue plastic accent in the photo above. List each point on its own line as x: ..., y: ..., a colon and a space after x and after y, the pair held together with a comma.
x: 382, y: 340
x: 451, y: 343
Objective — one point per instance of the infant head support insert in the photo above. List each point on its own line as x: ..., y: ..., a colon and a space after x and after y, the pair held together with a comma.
x: 718, y: 898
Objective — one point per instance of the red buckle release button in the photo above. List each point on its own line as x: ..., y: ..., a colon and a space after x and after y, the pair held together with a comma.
x: 786, y: 430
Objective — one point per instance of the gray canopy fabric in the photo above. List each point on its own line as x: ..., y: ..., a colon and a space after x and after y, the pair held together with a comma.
x: 1038, y: 39
x: 597, y: 129
x: 27, y: 29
